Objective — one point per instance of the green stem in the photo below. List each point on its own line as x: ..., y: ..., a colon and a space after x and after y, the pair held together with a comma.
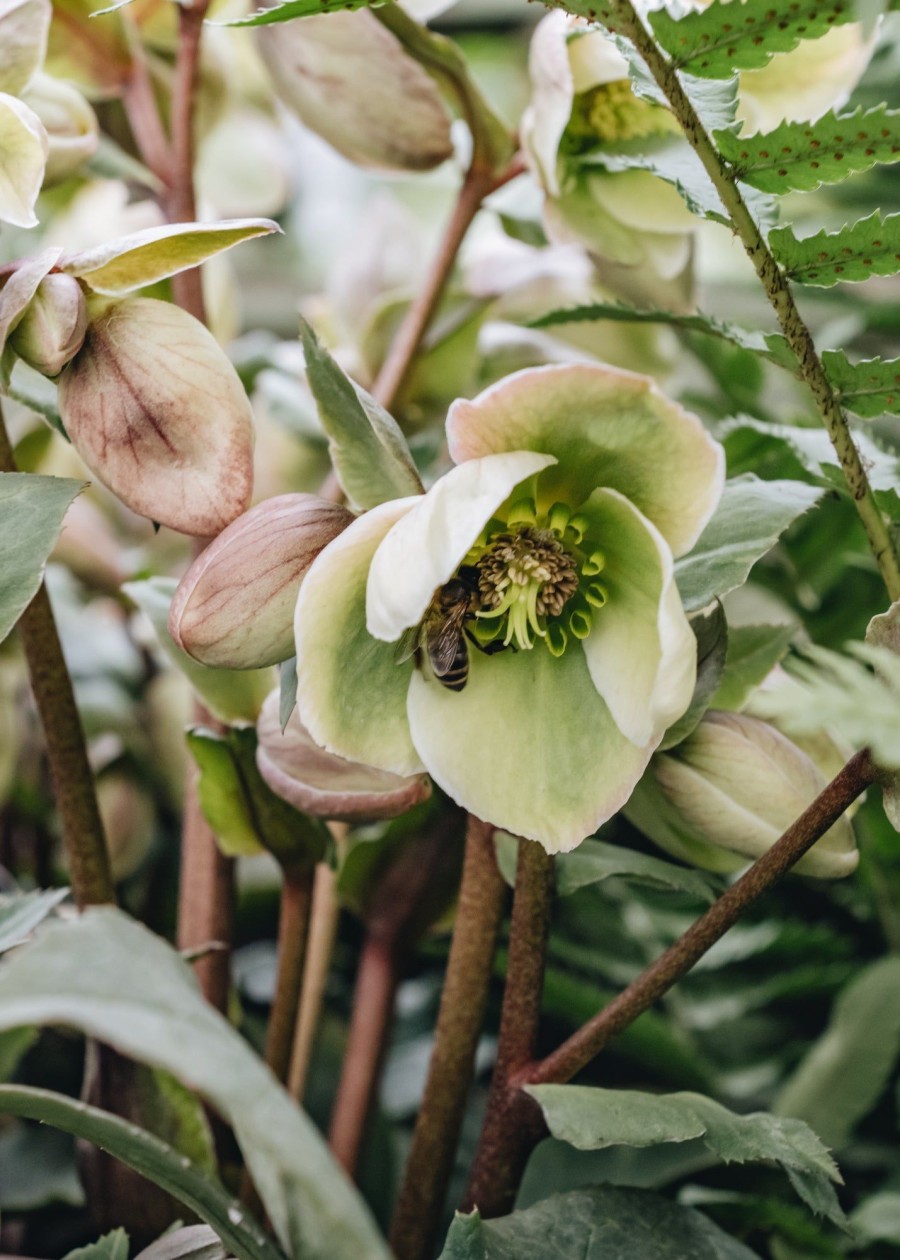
x: 464, y: 999
x: 293, y: 930
x: 777, y: 290
x: 513, y: 1123
x: 73, y: 781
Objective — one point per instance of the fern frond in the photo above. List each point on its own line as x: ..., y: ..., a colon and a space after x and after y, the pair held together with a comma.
x: 869, y: 247
x: 868, y: 389
x: 734, y: 35
x: 798, y: 157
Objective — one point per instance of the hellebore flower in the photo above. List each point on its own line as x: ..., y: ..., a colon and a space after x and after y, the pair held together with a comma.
x: 543, y: 560
x: 724, y: 796
x: 23, y: 137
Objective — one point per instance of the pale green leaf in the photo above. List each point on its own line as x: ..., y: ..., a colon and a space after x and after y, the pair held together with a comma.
x: 149, y: 1156
x: 712, y: 43
x: 597, y: 1223
x: 369, y: 453
x: 799, y: 156
x: 221, y: 794
x: 191, y: 1242
x: 877, y: 1219
x: 753, y: 651
x: 870, y: 388
x: 748, y: 522
x: 31, y: 515
x: 792, y: 450
x: 112, y: 1246
x: 109, y: 977
x: 845, y: 1071
x: 20, y: 914
x: 869, y: 247
x: 230, y: 695
x: 591, y: 1119
x: 710, y: 630
x: 290, y: 9
x: 130, y: 262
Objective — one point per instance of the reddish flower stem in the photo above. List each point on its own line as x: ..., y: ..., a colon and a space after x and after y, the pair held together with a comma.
x: 293, y: 929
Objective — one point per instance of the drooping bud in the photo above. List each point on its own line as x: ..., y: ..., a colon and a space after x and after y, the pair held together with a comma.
x: 156, y: 410
x: 726, y: 794
x: 349, y: 79
x: 53, y: 328
x: 231, y: 611
x: 71, y: 125
x: 321, y: 783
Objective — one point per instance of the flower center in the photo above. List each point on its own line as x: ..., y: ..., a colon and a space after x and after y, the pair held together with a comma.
x: 611, y: 114
x: 533, y: 577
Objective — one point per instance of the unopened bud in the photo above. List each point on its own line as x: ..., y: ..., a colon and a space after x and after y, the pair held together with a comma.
x: 52, y: 330
x: 70, y: 123
x: 729, y: 791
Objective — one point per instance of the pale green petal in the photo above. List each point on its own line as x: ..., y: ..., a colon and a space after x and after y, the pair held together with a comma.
x: 23, y: 41
x: 551, y: 102
x: 23, y: 156
x: 427, y: 546
x: 351, y: 693
x: 606, y: 427
x: 527, y: 745
x: 641, y: 652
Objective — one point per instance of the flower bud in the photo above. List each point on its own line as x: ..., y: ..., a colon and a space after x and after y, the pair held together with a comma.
x: 70, y: 122
x: 348, y: 79
x: 230, y: 611
x: 53, y: 328
x: 732, y: 788
x: 321, y: 783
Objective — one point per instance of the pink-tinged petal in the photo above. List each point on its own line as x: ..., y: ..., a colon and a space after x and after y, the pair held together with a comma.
x: 317, y: 782
x: 607, y: 428
x: 20, y: 288
x: 351, y: 692
x: 528, y: 745
x: 427, y: 546
x: 155, y: 408
x: 234, y: 608
x: 641, y: 652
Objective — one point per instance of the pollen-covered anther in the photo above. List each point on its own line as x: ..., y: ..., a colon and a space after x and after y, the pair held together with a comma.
x: 529, y: 575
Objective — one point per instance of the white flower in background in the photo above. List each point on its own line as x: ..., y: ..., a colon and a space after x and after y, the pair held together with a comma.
x: 23, y: 138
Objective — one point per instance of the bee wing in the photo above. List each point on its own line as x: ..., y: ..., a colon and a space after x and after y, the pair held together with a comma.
x: 445, y: 644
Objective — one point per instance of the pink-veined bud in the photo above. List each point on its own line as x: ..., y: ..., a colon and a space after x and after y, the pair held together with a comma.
x: 321, y: 783
x: 53, y: 328
x: 234, y: 608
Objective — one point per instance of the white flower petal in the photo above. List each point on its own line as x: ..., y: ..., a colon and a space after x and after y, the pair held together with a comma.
x: 23, y: 41
x: 351, y: 692
x: 527, y: 745
x: 23, y: 156
x: 641, y: 653
x: 606, y: 427
x: 551, y: 103
x: 427, y: 546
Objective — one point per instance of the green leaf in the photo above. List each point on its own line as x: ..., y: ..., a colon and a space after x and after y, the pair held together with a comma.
x: 752, y: 652
x: 789, y: 450
x: 846, y: 1070
x: 296, y: 8
x: 715, y: 101
x: 109, y: 977
x: 20, y: 914
x: 131, y: 262
x: 231, y: 695
x: 595, y: 861
x: 243, y: 811
x: 869, y: 247
x: 287, y: 690
x: 711, y: 632
x: 877, y: 1219
x: 149, y: 1156
x: 714, y: 42
x: 870, y: 388
x: 191, y: 1242
x: 38, y: 394
x: 112, y: 1246
x: 369, y: 453
x: 598, y: 1223
x: 591, y: 1119
x: 748, y: 522
x: 31, y: 515
x: 800, y: 156
x: 769, y: 345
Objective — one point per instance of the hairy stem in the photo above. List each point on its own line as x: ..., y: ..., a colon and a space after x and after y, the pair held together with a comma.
x: 322, y: 933
x: 575, y: 1053
x: 395, y: 370
x: 512, y: 1122
x: 205, y: 898
x: 73, y: 781
x: 463, y: 1003
x: 777, y: 290
x: 293, y: 929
